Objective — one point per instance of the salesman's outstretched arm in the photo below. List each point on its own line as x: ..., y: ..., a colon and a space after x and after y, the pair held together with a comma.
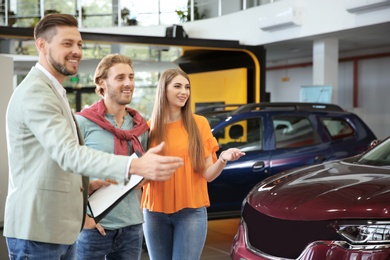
x: 153, y: 166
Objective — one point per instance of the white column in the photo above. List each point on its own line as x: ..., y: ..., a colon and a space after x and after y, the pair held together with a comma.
x: 326, y: 64
x: 7, y: 87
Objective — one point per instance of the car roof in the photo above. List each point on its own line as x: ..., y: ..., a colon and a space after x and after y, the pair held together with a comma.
x: 233, y: 109
x: 301, y: 106
x: 220, y: 111
x: 218, y: 108
x: 216, y: 116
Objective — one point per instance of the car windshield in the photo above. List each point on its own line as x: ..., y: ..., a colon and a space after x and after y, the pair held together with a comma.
x: 379, y: 156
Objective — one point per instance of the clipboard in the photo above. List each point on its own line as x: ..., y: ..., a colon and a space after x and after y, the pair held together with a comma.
x: 104, y: 199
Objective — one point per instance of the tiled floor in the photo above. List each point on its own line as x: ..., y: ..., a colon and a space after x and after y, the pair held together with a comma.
x: 219, y: 238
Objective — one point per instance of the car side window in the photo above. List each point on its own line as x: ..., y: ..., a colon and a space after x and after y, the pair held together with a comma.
x: 337, y: 128
x: 246, y: 135
x: 293, y: 131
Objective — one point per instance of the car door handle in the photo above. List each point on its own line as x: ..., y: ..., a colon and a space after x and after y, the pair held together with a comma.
x: 258, y: 166
x: 319, y: 158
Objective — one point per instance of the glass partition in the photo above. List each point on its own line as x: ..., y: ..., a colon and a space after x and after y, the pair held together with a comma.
x: 102, y: 13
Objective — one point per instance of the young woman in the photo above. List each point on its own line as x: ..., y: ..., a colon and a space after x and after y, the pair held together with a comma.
x: 175, y: 210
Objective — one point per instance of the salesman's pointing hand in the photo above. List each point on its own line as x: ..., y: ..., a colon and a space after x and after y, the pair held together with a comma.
x: 153, y: 166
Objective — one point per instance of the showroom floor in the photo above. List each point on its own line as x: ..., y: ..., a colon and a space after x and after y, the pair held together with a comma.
x: 219, y: 238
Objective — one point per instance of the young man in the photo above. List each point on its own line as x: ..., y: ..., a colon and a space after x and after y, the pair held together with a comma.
x: 110, y: 126
x: 47, y: 195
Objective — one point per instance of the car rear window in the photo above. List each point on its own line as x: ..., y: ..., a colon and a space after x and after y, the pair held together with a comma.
x: 337, y: 128
x: 293, y: 131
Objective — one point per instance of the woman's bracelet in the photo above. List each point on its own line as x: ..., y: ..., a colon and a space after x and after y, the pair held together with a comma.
x: 222, y: 160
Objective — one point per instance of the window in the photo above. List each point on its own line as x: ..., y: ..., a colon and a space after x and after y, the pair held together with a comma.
x: 293, y: 131
x: 337, y: 128
x: 246, y: 135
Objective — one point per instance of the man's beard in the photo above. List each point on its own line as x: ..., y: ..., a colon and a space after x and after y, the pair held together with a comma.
x: 116, y: 97
x: 59, y: 67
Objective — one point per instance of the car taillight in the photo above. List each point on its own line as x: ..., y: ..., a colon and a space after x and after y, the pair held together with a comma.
x: 370, y: 233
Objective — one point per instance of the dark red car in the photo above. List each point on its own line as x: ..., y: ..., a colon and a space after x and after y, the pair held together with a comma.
x: 335, y: 210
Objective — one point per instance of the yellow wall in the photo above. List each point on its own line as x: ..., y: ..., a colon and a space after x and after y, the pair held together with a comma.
x: 229, y: 86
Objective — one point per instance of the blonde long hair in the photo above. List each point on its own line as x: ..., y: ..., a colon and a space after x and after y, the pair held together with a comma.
x: 157, y: 120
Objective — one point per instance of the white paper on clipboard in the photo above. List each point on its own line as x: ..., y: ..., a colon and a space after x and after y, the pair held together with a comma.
x: 105, y: 197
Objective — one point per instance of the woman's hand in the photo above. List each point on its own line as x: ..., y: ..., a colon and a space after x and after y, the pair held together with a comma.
x: 213, y: 170
x: 231, y: 154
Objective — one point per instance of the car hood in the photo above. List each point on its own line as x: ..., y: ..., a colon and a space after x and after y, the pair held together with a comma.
x: 332, y: 190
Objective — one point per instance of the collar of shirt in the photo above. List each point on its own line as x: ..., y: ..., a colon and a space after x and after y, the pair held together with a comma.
x: 60, y: 89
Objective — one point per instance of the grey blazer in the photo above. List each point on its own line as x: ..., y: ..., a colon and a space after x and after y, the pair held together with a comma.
x: 46, y: 192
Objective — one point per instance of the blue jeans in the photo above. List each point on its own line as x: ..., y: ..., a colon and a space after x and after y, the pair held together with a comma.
x: 19, y: 249
x: 176, y: 236
x: 124, y: 243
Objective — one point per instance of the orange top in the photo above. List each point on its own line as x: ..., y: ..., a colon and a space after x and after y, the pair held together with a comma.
x: 186, y: 188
